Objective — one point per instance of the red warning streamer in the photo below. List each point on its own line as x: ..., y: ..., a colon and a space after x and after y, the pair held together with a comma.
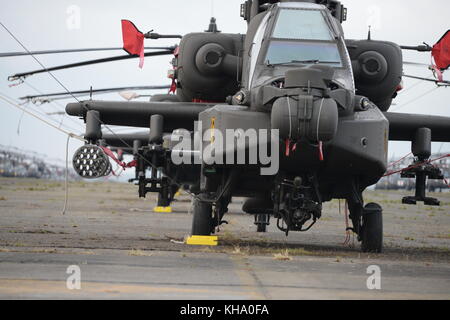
x: 390, y: 173
x: 124, y: 165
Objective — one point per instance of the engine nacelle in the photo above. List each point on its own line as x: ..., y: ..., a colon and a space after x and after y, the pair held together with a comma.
x: 209, y: 66
x: 377, y: 68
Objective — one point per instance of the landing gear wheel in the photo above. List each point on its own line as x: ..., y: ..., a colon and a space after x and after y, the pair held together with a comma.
x: 262, y: 221
x: 163, y: 200
x: 202, y: 222
x: 261, y: 228
x: 372, y: 228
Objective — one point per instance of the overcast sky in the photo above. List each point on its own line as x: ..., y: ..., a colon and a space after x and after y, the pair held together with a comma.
x: 62, y: 24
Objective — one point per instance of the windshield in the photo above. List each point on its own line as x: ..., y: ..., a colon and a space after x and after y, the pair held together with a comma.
x: 280, y: 52
x: 302, y: 36
x: 302, y: 25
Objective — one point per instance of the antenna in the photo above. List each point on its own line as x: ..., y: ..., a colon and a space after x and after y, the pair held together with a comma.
x: 212, y: 26
x: 369, y: 35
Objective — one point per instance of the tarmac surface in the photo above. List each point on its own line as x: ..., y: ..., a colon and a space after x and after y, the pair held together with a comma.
x: 126, y: 251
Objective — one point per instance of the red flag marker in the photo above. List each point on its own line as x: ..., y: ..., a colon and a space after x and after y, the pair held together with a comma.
x: 133, y: 40
x: 441, y: 52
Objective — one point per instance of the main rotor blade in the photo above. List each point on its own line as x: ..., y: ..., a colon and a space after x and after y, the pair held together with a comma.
x: 438, y: 82
x: 87, y: 92
x: 34, y: 53
x: 415, y: 64
x: 420, y: 48
x: 86, y: 63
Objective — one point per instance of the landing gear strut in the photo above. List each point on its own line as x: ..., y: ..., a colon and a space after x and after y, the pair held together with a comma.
x: 202, y: 221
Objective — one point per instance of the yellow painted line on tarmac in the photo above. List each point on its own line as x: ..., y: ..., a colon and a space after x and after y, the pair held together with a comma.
x: 29, y: 286
x: 46, y: 286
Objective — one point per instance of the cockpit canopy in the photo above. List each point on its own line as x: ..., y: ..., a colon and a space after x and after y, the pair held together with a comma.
x: 297, y: 34
x: 302, y: 36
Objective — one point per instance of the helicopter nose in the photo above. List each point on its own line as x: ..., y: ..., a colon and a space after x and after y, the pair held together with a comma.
x: 306, y: 114
x: 305, y: 117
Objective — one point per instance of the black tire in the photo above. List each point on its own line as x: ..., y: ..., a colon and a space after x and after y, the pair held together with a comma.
x: 261, y: 221
x: 372, y: 229
x: 202, y: 223
x: 163, y: 201
x: 261, y: 228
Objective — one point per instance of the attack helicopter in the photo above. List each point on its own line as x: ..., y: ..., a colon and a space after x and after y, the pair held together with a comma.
x: 291, y: 85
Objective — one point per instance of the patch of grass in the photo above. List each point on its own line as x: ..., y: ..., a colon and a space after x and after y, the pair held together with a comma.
x: 87, y: 252
x: 37, y: 189
x: 283, y: 256
x: 300, y: 252
x: 43, y: 251
x: 38, y: 231
x: 19, y: 244
x: 240, y: 251
x: 54, y: 185
x: 441, y: 236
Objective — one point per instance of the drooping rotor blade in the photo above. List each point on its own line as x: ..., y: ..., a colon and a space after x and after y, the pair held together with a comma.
x: 421, y: 48
x: 439, y: 51
x: 436, y: 81
x: 88, y: 92
x: 415, y: 64
x: 86, y: 63
x: 35, y: 53
x: 155, y: 36
x: 131, y: 95
x: 58, y: 113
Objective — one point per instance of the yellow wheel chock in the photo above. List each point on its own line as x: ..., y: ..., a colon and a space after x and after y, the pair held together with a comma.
x: 162, y: 209
x: 203, y: 240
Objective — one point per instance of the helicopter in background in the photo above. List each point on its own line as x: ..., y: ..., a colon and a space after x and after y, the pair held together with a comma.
x: 321, y: 101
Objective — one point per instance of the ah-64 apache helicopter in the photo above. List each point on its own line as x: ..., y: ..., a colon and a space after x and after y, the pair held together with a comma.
x: 318, y: 101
